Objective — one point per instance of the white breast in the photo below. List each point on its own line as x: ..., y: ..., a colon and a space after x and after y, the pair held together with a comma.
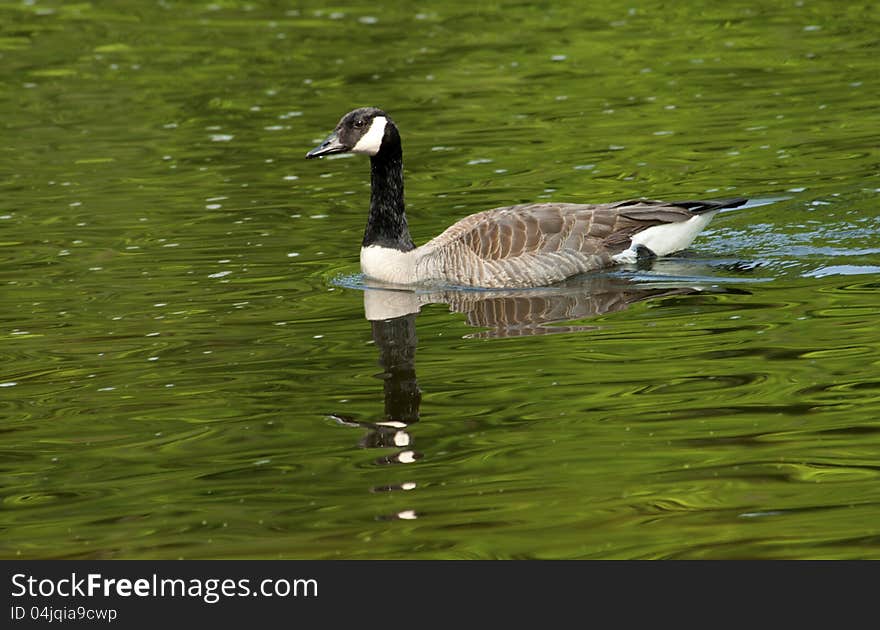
x: 388, y: 264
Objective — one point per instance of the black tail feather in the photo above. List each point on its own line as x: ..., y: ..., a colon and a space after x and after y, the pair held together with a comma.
x: 698, y: 207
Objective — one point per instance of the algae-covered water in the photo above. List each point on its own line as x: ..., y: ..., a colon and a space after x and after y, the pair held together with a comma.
x: 186, y: 365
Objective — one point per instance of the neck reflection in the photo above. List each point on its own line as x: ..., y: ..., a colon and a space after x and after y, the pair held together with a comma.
x: 392, y: 314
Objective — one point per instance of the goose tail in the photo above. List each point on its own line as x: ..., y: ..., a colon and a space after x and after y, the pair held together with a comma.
x: 703, y: 206
x: 668, y: 238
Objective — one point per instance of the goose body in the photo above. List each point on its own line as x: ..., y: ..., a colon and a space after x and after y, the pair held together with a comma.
x: 526, y: 245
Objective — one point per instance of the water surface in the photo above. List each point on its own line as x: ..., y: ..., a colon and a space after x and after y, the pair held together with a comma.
x: 188, y: 369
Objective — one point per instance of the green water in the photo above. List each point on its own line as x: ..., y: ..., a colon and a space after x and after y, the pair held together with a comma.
x: 187, y: 369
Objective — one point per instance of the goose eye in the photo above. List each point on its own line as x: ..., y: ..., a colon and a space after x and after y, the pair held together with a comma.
x: 359, y: 123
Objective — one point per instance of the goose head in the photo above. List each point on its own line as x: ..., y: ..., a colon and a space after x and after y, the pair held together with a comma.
x: 367, y: 130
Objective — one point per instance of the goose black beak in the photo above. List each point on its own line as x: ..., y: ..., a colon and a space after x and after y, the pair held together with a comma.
x: 331, y: 145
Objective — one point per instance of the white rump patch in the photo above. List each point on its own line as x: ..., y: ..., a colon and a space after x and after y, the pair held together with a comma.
x: 667, y: 238
x: 371, y: 141
x: 626, y: 257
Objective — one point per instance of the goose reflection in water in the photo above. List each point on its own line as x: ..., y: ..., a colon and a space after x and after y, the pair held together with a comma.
x: 527, y: 312
x: 395, y: 337
x: 392, y: 313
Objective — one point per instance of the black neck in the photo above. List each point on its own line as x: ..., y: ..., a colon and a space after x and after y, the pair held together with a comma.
x: 386, y: 225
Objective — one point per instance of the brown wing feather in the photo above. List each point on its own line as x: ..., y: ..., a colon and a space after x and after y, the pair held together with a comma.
x: 536, y: 244
x: 505, y: 233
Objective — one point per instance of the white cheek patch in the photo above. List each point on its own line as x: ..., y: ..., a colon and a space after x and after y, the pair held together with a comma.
x: 371, y: 142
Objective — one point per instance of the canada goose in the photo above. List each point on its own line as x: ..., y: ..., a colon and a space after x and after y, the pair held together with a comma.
x: 525, y: 245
